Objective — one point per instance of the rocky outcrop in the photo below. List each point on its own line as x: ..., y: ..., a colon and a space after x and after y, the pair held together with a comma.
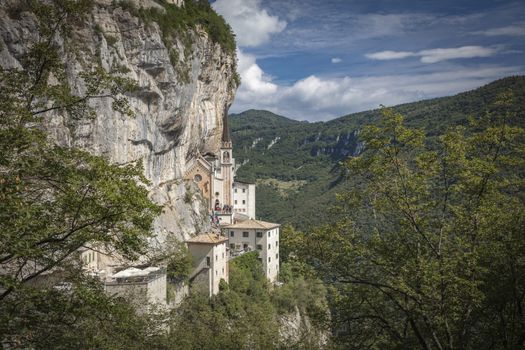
x: 175, y: 117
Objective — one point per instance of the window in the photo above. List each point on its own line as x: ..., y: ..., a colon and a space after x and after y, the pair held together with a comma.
x: 216, y: 273
x: 259, y: 246
x: 243, y: 201
x: 235, y: 191
x: 244, y: 190
x: 223, y: 255
x: 236, y: 201
x: 269, y: 259
x: 217, y: 194
x: 277, y: 256
x: 245, y: 234
x: 245, y: 246
x: 276, y: 243
x: 259, y: 234
x: 216, y: 257
x: 223, y: 270
x: 232, y: 246
x: 208, y: 261
x: 269, y: 233
x: 260, y: 259
x: 269, y: 246
x: 232, y: 234
x: 197, y: 178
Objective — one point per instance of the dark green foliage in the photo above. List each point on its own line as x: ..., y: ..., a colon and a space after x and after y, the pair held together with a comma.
x: 247, y: 312
x: 312, y: 152
x: 423, y: 257
x: 79, y: 315
x: 179, y: 262
x: 55, y: 200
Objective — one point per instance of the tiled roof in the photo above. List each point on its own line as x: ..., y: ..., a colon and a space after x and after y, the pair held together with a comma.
x: 253, y: 224
x: 208, y: 238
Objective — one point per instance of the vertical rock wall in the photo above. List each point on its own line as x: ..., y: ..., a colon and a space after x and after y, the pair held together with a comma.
x: 175, y: 118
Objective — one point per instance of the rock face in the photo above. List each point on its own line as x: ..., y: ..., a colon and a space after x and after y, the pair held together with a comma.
x: 175, y: 118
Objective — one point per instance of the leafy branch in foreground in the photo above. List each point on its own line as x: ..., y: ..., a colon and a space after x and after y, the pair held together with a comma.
x: 432, y: 241
x: 54, y: 199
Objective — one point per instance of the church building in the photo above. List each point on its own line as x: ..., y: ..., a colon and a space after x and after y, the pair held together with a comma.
x: 229, y: 201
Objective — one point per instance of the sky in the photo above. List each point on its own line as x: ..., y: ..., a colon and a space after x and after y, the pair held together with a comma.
x: 317, y: 60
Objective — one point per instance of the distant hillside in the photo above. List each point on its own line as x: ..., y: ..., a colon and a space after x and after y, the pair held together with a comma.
x: 297, y: 163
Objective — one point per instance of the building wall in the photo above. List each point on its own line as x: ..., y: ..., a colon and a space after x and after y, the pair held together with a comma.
x: 219, y: 266
x: 203, y: 178
x: 89, y: 259
x: 218, y: 263
x: 244, y: 199
x: 267, y: 245
x: 157, y: 290
x: 140, y: 294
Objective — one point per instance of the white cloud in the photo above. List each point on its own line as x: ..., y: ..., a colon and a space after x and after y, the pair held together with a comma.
x: 252, y: 24
x: 517, y: 29
x: 437, y: 55
x: 318, y: 98
x: 254, y: 80
x: 389, y: 55
x: 336, y: 60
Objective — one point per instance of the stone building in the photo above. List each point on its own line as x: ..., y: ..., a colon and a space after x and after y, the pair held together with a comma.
x: 210, y: 261
x: 214, y: 174
x: 257, y: 235
x: 141, y: 287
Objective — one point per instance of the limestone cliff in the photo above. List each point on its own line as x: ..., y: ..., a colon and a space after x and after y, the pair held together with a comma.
x: 184, y: 87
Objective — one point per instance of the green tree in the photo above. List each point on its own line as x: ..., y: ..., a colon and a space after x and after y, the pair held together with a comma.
x: 433, y: 238
x: 54, y: 199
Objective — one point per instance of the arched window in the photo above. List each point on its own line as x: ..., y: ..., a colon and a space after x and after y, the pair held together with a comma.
x: 226, y: 156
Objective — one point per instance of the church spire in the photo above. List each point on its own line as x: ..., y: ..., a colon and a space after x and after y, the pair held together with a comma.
x: 226, y: 140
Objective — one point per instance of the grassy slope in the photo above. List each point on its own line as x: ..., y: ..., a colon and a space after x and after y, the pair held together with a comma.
x: 311, y: 151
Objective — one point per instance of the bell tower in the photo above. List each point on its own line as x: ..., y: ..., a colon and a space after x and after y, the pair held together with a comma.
x: 227, y: 161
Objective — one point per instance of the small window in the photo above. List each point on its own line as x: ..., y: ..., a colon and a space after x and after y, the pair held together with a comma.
x: 243, y: 190
x: 232, y: 234
x: 277, y: 256
x: 232, y: 246
x: 223, y: 255
x: 245, y: 234
x: 216, y: 257
x: 269, y: 259
x: 208, y: 261
x: 269, y: 246
x: 216, y: 273
x: 259, y: 234
x: 260, y: 259
x: 236, y: 201
x: 223, y: 270
x: 197, y: 178
x: 276, y: 243
x: 259, y: 246
x: 217, y: 194
x: 245, y: 246
x: 269, y: 233
x: 235, y: 190
x: 243, y: 201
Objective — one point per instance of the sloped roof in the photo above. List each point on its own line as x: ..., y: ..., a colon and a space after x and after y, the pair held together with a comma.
x: 253, y: 224
x: 208, y: 238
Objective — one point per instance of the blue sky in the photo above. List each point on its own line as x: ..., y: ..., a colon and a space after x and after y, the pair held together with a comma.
x: 317, y: 60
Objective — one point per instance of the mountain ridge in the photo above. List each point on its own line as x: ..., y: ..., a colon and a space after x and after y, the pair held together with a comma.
x: 297, y: 163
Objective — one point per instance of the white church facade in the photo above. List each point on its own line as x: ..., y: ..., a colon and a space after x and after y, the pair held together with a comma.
x: 229, y: 201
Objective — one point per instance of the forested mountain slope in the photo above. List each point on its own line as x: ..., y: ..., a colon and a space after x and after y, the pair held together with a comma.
x: 296, y: 164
